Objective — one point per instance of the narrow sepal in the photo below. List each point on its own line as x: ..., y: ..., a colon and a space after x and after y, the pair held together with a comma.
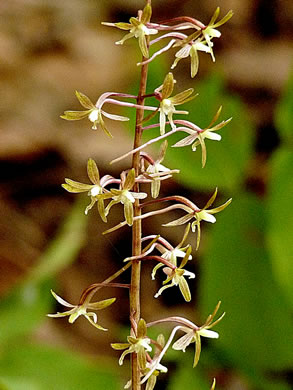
x: 119, y: 346
x: 141, y: 328
x: 197, y: 349
x: 75, y: 115
x: 182, y: 97
x: 128, y: 213
x: 84, y: 100
x: 151, y: 382
x: 130, y: 180
x: 101, y: 304
x: 74, y: 189
x: 184, y: 288
x: 146, y: 14
x: 93, y: 172
x: 168, y: 86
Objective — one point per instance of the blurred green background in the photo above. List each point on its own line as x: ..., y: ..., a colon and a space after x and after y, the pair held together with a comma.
x: 49, y: 49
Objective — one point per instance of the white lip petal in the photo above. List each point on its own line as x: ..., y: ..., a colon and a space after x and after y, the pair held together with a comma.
x: 208, y: 333
x: 202, y: 47
x: 115, y: 117
x: 212, y: 135
x: 189, y: 274
x: 204, y: 215
x: 183, y: 52
x: 61, y: 300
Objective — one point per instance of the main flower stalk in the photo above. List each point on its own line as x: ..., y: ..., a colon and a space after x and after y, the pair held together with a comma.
x: 136, y: 230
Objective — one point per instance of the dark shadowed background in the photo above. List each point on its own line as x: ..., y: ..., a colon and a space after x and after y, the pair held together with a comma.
x: 49, y: 49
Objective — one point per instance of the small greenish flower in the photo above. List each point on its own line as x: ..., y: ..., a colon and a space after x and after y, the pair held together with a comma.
x: 203, y: 214
x: 139, y: 345
x: 138, y: 29
x: 82, y: 310
x: 158, y: 168
x: 198, y: 137
x: 172, y: 254
x: 93, y: 113
x: 193, y: 335
x: 191, y: 49
x: 125, y: 196
x: 210, y: 31
x: 176, y: 277
x: 94, y: 190
x: 167, y: 104
x: 151, y: 382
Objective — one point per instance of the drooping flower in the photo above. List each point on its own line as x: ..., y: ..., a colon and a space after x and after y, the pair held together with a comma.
x: 171, y: 254
x: 94, y: 190
x: 137, y: 28
x: 176, y: 277
x: 125, y: 196
x: 82, y: 309
x: 139, y: 345
x: 167, y: 104
x: 194, y: 333
x: 191, y: 49
x: 203, y: 214
x: 210, y: 31
x: 93, y: 113
x: 154, y: 170
x: 198, y: 137
x: 151, y: 382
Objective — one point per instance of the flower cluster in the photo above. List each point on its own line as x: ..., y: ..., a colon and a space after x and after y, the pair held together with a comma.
x: 189, y: 36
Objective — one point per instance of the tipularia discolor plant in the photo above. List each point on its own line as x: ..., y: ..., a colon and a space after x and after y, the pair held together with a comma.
x: 188, y: 36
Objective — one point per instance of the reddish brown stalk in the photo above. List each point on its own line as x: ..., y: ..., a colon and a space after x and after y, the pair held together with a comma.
x: 136, y: 229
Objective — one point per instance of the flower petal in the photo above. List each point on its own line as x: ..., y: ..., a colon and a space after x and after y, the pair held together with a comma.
x: 115, y: 117
x: 184, y: 341
x: 184, y: 288
x: 208, y: 333
x: 93, y: 172
x: 84, y: 100
x: 61, y: 300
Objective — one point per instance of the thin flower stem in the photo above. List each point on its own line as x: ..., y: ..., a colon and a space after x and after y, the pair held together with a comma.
x: 187, y: 19
x: 146, y: 377
x: 150, y: 214
x: 106, y: 283
x: 176, y: 198
x: 179, y: 320
x: 138, y: 148
x: 89, y: 292
x: 159, y: 259
x: 126, y: 104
